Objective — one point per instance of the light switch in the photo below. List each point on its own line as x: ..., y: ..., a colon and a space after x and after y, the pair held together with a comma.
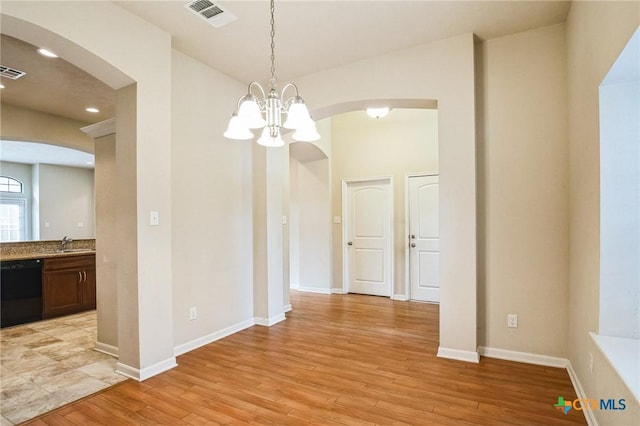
x: 284, y: 220
x: 337, y: 219
x: 46, y: 224
x: 154, y: 218
x: 80, y: 224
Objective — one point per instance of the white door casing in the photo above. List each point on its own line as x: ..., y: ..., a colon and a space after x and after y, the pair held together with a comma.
x: 367, y: 207
x: 424, y: 238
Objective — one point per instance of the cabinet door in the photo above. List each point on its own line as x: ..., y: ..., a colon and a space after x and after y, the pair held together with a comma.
x: 61, y: 293
x: 89, y: 288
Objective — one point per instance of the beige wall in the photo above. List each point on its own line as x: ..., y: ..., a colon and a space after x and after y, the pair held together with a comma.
x: 66, y: 202
x: 269, y: 183
x: 106, y: 245
x: 405, y: 141
x: 523, y: 176
x: 211, y: 204
x: 310, y: 225
x: 596, y: 34
x: 27, y: 125
x: 124, y: 236
x: 303, y: 241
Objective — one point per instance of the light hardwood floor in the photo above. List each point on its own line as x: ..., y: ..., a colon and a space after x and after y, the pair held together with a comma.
x: 336, y: 360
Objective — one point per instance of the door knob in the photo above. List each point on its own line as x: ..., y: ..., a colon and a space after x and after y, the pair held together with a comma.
x: 350, y: 243
x: 413, y: 237
x: 413, y: 244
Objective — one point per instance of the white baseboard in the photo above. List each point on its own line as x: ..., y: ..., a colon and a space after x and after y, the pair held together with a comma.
x: 106, y: 349
x: 314, y: 290
x: 212, y: 337
x: 287, y: 308
x: 577, y: 386
x: 547, y: 361
x: 529, y: 358
x: 400, y: 297
x: 338, y: 291
x: 268, y: 322
x: 457, y: 354
x: 147, y: 372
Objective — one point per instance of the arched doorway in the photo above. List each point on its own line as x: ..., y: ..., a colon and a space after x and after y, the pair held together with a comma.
x: 143, y: 151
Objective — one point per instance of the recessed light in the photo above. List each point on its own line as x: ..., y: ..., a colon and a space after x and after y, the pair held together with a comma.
x: 377, y: 112
x: 92, y: 109
x: 47, y: 53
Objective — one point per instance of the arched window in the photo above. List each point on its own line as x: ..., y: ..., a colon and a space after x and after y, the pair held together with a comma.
x: 8, y: 184
x: 13, y: 210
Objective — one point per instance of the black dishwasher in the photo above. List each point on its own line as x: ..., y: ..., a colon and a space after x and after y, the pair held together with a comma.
x: 20, y: 292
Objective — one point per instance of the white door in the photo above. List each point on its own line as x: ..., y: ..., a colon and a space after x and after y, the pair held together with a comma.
x: 424, y: 238
x: 368, y: 237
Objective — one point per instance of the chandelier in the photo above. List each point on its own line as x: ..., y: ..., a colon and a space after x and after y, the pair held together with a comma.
x: 268, y: 111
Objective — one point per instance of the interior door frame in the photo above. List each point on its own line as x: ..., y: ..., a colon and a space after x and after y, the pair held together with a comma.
x: 407, y: 218
x: 345, y: 254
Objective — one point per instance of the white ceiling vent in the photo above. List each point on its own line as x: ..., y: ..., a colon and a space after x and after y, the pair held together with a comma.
x: 211, y: 12
x: 11, y: 73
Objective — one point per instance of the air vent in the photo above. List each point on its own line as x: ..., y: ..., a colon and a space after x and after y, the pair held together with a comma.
x: 211, y: 12
x: 11, y: 73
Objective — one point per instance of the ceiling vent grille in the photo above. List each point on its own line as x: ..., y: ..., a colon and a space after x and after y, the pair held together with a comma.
x: 213, y: 13
x: 11, y: 73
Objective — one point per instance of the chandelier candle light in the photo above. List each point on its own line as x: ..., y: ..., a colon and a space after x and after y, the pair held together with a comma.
x: 267, y: 111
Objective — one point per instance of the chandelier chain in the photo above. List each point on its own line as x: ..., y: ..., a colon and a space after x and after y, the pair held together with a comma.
x: 273, y: 81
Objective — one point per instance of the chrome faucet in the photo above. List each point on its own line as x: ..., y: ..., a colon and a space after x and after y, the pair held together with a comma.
x: 63, y: 244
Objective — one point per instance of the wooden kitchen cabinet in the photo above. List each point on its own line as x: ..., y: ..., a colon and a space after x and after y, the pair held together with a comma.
x: 68, y: 285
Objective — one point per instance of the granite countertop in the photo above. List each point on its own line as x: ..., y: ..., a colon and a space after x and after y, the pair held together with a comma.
x: 45, y: 249
x: 45, y: 255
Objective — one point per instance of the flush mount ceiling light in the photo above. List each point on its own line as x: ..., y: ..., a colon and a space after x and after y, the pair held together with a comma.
x: 377, y: 112
x: 47, y: 53
x: 92, y: 109
x: 1, y: 86
x: 266, y: 111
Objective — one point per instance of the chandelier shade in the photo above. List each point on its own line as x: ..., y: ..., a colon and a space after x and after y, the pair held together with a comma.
x: 270, y: 138
x: 237, y: 130
x: 271, y: 112
x: 298, y: 114
x: 249, y: 112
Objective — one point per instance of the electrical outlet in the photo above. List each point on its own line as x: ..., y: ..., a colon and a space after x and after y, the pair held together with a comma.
x: 512, y: 321
x: 193, y: 313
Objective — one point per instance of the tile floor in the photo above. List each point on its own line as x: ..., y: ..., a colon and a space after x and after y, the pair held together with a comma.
x: 47, y: 364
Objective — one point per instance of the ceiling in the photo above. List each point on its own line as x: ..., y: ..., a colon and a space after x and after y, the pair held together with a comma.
x: 310, y: 36
x: 39, y: 153
x: 315, y: 35
x: 52, y: 85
